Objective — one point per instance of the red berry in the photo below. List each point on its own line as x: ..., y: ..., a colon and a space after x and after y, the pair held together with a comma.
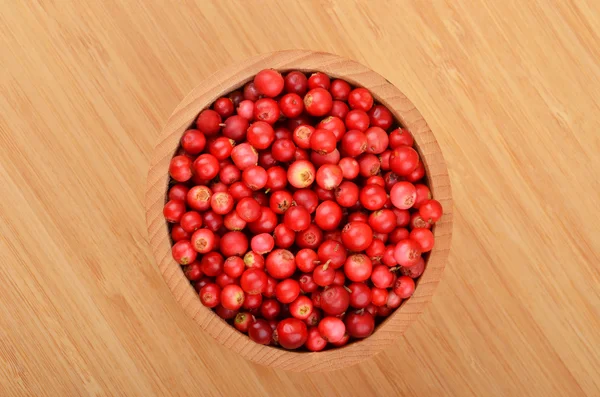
x: 296, y: 82
x: 266, y: 109
x: 358, y: 267
x: 400, y: 137
x: 180, y: 168
x: 407, y: 253
x: 243, y: 321
x: 424, y: 238
x: 210, y: 295
x: 291, y: 105
x: 360, y: 98
x: 260, y: 135
x: 174, y: 210
x: 301, y: 308
x: 269, y: 82
x: 234, y: 243
x: 329, y: 215
x: 287, y: 290
x: 377, y: 140
x: 335, y: 300
x: 360, y: 295
x: 224, y: 106
x: 322, y: 141
x: 360, y: 325
x: 260, y: 332
x: 254, y: 281
x: 280, y: 264
x: 357, y: 236
x: 291, y: 333
x: 193, y: 141
x: 404, y: 160
x: 232, y: 297
x: 318, y: 102
x: 404, y: 287
x: 301, y: 174
x: 431, y: 211
x: 380, y: 116
x: 208, y: 122
x: 315, y: 341
x: 340, y: 90
x: 244, y: 156
x: 262, y: 243
x: 332, y: 329
x: 403, y: 195
x: 235, y: 127
x: 183, y: 252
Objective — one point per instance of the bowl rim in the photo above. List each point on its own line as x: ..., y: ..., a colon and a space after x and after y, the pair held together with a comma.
x: 233, y: 77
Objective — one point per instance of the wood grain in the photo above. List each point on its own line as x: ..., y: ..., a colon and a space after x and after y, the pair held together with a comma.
x: 510, y: 89
x: 233, y: 77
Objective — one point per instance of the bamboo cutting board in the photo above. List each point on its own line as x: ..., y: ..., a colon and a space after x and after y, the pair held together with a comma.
x: 511, y: 91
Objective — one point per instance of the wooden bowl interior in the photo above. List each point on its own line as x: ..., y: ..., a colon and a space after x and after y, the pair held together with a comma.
x: 234, y: 77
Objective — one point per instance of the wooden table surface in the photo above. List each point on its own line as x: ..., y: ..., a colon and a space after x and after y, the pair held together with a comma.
x: 511, y: 90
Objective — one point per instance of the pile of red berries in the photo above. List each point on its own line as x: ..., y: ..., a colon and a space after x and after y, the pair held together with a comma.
x: 300, y: 211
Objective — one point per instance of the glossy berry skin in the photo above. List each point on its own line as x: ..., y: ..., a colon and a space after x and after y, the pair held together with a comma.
x: 193, y: 141
x: 291, y: 105
x: 174, y: 210
x: 260, y: 135
x: 340, y: 90
x: 183, y: 252
x: 360, y: 295
x: 296, y: 82
x: 180, y: 168
x: 322, y: 141
x: 404, y: 287
x: 262, y: 243
x: 335, y: 300
x: 260, y: 332
x: 358, y: 267
x: 424, y: 238
x: 232, y: 297
x: 287, y: 290
x: 357, y: 120
x: 361, y: 99
x: 318, y: 102
x: 360, y: 325
x: 208, y: 122
x: 381, y: 117
x: 403, y: 195
x: 266, y: 109
x: 292, y: 333
x: 332, y: 329
x: 210, y: 295
x: 329, y: 176
x: 415, y: 270
x: 269, y: 82
x: 301, y: 174
x: 357, y: 236
x: 431, y: 211
x: 302, y: 307
x: 297, y: 218
x: 328, y: 215
x: 254, y: 281
x: 404, y: 160
x: 280, y: 264
x: 315, y: 341
x: 407, y: 252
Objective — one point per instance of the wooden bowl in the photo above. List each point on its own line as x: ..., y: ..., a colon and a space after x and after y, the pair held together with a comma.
x: 231, y: 78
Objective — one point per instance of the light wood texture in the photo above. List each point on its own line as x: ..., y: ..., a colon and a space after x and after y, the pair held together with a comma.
x: 511, y: 90
x: 233, y: 77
